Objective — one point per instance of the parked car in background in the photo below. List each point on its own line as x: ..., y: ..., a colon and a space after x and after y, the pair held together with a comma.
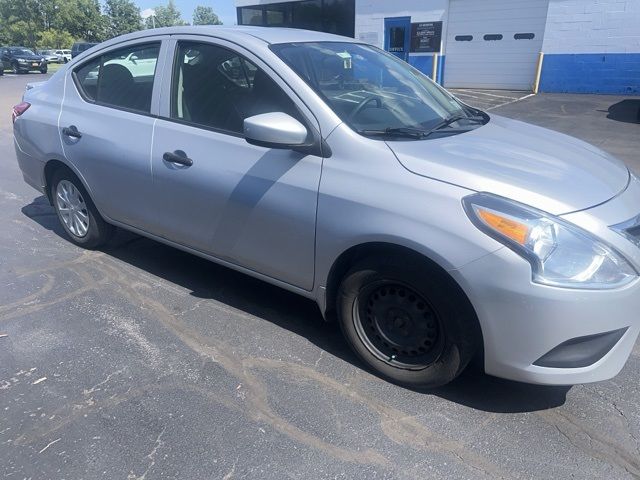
x: 50, y: 56
x: 433, y: 232
x: 141, y: 63
x: 79, y: 47
x: 22, y: 60
x: 64, y: 56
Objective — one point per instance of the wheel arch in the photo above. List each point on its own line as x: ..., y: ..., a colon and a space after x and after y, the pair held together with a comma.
x: 53, y: 165
x: 355, y: 253
x: 358, y: 252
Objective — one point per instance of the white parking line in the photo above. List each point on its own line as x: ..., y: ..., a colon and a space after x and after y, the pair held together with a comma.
x: 480, y: 92
x: 512, y: 101
x: 463, y: 95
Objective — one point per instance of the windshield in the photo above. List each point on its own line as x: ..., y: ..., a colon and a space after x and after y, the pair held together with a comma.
x: 376, y: 93
x: 22, y: 51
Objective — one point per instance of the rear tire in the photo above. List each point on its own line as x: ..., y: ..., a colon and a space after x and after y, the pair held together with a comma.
x: 77, y: 212
x: 411, y: 323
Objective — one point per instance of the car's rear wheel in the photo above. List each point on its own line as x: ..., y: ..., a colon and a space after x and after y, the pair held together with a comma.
x: 409, y: 322
x: 76, y: 211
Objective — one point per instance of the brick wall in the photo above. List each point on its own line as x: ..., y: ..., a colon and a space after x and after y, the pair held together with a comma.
x: 592, y: 46
x: 592, y: 26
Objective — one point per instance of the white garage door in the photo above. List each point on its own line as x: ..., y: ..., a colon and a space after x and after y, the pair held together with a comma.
x: 494, y: 43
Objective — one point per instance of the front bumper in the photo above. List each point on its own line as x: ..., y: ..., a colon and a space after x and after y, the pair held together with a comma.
x: 522, y: 322
x: 29, y: 66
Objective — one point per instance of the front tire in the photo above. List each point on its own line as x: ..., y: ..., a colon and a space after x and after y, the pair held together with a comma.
x: 77, y: 212
x: 409, y: 322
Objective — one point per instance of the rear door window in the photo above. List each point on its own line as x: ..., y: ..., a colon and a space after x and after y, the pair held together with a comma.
x: 120, y: 78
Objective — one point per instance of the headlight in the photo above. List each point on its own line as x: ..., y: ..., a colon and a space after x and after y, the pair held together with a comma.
x: 560, y: 253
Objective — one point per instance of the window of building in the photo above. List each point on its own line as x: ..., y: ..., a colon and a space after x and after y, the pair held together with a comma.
x: 493, y: 36
x: 250, y: 16
x: 216, y: 88
x: 333, y: 16
x: 464, y: 38
x: 524, y: 36
x: 307, y: 15
x: 120, y: 78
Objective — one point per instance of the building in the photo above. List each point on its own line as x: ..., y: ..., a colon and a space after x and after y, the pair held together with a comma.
x: 589, y: 46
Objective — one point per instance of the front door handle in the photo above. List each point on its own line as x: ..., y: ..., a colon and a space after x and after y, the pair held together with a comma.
x: 71, y: 131
x: 177, y: 157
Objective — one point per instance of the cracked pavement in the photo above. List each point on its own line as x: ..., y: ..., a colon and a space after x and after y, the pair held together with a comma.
x: 142, y: 362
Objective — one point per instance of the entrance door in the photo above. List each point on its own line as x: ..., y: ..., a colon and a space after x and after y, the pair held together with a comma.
x: 397, y: 36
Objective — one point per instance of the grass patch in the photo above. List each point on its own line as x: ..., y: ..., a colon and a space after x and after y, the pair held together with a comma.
x: 54, y: 67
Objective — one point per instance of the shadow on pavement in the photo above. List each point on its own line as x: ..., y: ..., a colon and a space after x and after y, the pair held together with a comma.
x: 627, y: 111
x: 207, y: 280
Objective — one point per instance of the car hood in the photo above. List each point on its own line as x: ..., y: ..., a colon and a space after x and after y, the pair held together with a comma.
x: 532, y: 165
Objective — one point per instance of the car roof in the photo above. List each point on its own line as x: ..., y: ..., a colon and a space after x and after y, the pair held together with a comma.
x: 238, y: 33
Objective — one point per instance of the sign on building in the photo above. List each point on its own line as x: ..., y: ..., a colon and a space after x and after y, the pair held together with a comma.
x: 426, y: 37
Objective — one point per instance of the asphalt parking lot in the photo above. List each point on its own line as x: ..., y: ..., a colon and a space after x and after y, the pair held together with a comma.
x: 141, y: 362
x: 489, y: 99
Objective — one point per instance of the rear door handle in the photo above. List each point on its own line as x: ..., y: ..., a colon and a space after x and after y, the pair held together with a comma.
x: 177, y: 157
x: 71, y: 131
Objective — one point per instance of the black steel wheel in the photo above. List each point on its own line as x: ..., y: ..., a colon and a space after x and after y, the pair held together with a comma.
x: 408, y: 320
x: 398, y: 325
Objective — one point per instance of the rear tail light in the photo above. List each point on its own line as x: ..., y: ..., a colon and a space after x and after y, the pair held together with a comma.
x: 19, y: 110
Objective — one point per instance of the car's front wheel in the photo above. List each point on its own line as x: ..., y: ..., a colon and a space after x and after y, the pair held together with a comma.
x: 410, y: 322
x: 76, y: 211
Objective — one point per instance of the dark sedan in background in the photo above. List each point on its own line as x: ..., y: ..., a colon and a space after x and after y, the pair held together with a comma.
x: 22, y: 60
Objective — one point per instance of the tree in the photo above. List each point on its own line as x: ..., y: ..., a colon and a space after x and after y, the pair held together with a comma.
x: 168, y: 16
x: 20, y: 22
x: 82, y: 19
x: 54, y: 39
x: 31, y: 22
x: 205, y: 16
x: 123, y: 16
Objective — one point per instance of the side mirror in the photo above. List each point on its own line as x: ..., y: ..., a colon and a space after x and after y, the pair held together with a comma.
x: 275, y: 130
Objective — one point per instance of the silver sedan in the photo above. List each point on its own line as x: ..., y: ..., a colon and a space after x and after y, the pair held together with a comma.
x: 433, y: 232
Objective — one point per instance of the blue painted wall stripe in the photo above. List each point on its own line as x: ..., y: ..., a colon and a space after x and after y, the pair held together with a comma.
x: 612, y: 73
x: 424, y: 63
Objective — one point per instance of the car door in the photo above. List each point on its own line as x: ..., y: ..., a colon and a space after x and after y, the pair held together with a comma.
x: 106, y: 126
x: 248, y: 205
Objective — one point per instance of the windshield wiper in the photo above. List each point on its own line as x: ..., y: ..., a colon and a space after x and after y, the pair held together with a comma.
x: 418, y: 133
x: 452, y: 119
x: 396, y: 132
